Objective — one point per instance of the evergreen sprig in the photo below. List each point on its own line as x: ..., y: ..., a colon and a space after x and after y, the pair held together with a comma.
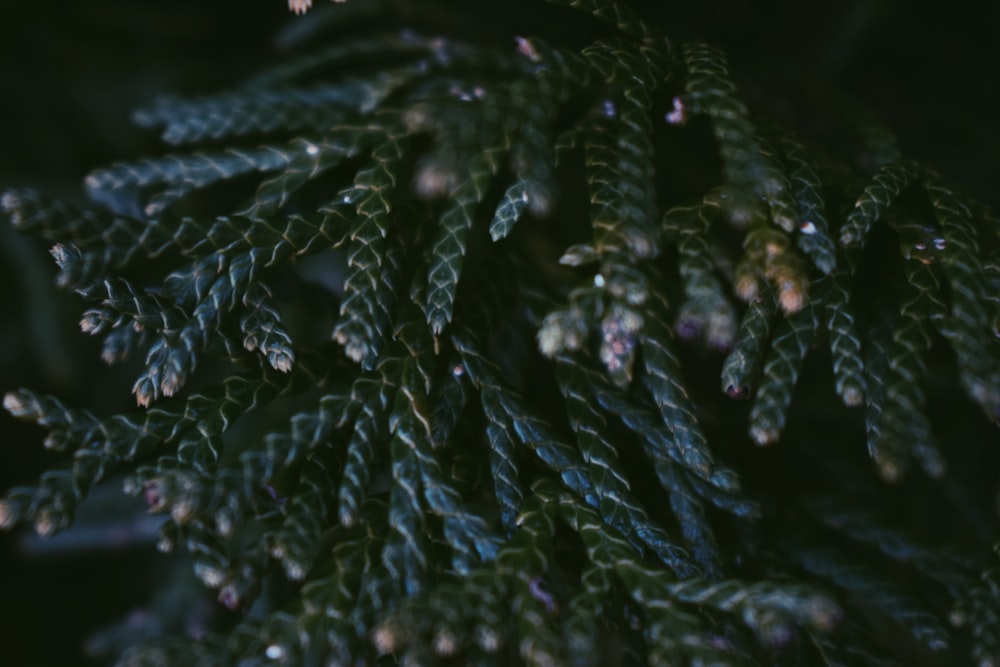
x: 511, y: 451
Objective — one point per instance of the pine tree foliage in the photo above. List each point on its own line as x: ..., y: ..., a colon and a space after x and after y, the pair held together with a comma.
x: 504, y: 449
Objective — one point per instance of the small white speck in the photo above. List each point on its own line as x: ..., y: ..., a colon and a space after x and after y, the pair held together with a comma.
x: 807, y: 227
x: 458, y: 370
x: 274, y: 652
x: 610, y: 111
x: 312, y: 149
x: 598, y: 280
x: 940, y: 244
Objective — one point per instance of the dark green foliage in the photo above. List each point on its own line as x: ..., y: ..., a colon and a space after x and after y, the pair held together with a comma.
x: 511, y: 445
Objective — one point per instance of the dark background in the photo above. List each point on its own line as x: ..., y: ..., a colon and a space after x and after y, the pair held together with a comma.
x: 71, y: 72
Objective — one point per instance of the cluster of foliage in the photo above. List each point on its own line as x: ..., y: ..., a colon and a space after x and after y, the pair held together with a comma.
x: 497, y: 431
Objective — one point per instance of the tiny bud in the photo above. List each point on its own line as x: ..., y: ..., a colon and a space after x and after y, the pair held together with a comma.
x: 527, y: 49
x: 550, y: 339
x: 153, y: 492
x: 777, y: 635
x: 48, y: 523
x: 173, y: 378
x: 165, y: 545
x: 732, y: 391
x: 631, y: 321
x: 488, y: 640
x: 824, y: 613
x: 9, y: 203
x: 91, y: 322
x: 281, y: 361
x: 386, y: 638
x: 417, y: 119
x: 853, y: 396
x: 223, y: 524
x: 434, y: 180
x: 573, y: 340
x: 294, y: 570
x: 8, y: 515
x: 772, y: 187
x: 445, y: 644
x: 849, y: 238
x: 229, y: 597
x: 790, y: 297
x: 144, y: 392
x: 210, y: 576
x: 721, y: 331
x: 58, y: 252
x: 747, y: 287
x: 538, y: 199
x: 679, y: 115
x: 641, y: 245
x: 13, y: 404
x: 348, y: 517
x: 182, y: 510
x: 773, y: 248
x: 110, y: 356
x: 689, y: 325
x: 356, y: 351
x: 764, y: 435
x: 889, y: 471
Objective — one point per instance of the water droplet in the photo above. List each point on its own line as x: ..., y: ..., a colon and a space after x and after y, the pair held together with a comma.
x: 598, y: 280
x: 274, y: 652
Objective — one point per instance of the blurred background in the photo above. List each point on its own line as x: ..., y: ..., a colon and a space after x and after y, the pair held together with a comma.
x: 72, y: 72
